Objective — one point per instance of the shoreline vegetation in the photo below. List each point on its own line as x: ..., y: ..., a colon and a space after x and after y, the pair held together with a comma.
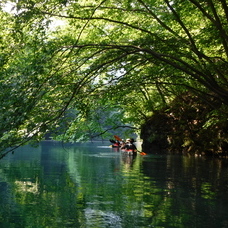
x: 101, y: 71
x: 188, y: 125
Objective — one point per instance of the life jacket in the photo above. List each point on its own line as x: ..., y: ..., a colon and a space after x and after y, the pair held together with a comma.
x: 130, y: 150
x: 130, y: 146
x: 116, y: 145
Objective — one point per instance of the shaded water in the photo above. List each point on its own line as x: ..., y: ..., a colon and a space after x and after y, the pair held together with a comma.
x: 92, y: 185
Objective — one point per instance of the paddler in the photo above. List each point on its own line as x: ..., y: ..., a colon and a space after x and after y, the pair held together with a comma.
x: 129, y: 146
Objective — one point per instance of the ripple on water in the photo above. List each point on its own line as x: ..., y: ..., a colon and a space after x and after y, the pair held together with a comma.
x: 99, y: 218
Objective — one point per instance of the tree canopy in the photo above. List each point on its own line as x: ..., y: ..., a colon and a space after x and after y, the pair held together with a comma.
x: 107, y: 62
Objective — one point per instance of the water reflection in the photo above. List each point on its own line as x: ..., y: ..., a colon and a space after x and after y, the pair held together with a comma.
x: 92, y: 185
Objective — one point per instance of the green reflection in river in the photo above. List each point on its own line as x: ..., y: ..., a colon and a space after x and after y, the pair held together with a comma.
x: 92, y: 186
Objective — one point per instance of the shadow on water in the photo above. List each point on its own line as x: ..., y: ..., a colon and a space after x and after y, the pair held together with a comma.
x: 194, y: 189
x: 93, y: 185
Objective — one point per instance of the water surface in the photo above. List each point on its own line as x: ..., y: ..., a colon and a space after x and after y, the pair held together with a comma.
x: 93, y: 185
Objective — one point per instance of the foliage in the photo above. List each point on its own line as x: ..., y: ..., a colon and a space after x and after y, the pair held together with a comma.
x: 134, y: 55
x: 188, y: 125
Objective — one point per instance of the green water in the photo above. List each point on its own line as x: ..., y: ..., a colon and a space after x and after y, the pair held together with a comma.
x: 93, y: 185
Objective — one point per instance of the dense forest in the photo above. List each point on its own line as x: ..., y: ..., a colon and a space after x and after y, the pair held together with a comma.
x: 82, y: 69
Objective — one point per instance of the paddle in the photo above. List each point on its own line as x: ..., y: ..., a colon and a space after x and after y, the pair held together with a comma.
x: 112, y: 141
x: 117, y: 138
x: 141, y: 153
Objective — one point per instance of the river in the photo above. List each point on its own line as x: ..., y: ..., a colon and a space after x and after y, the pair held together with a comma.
x: 91, y: 185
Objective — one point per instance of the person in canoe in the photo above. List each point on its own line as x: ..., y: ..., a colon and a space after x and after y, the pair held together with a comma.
x: 115, y: 144
x: 129, y: 147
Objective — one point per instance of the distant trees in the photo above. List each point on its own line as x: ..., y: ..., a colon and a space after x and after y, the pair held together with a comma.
x: 135, y: 56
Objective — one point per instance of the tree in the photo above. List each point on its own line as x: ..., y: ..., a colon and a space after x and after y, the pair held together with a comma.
x: 138, y: 54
